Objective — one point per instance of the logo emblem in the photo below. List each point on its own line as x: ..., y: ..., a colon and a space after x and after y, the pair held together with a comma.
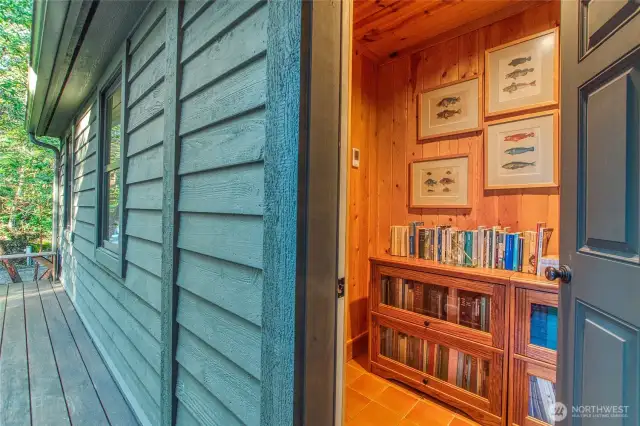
x: 558, y: 411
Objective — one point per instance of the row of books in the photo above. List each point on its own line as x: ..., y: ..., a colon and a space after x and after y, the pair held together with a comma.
x: 493, y: 247
x: 542, y: 399
x: 453, y: 366
x: 462, y: 307
x: 544, y: 326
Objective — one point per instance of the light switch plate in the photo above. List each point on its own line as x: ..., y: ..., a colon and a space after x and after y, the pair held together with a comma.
x: 355, y: 158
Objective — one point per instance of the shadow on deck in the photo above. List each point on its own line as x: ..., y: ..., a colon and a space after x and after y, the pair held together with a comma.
x: 50, y: 371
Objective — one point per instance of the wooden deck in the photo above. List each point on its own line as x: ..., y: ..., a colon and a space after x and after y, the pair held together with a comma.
x: 50, y: 371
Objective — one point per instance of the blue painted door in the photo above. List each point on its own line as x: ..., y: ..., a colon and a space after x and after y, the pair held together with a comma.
x: 599, y: 333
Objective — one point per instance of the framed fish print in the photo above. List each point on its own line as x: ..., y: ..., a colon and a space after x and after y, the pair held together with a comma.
x: 522, y: 75
x: 440, y: 182
x: 522, y: 152
x: 450, y: 109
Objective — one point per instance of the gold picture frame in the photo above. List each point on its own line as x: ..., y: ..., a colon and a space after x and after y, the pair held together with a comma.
x: 456, y: 105
x: 531, y: 66
x: 526, y: 147
x: 441, y: 182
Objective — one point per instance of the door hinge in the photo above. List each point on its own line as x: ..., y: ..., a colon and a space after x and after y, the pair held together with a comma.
x: 340, y: 288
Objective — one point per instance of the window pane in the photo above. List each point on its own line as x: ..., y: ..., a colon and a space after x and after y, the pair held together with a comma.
x: 112, y: 213
x: 542, y: 399
x: 112, y: 142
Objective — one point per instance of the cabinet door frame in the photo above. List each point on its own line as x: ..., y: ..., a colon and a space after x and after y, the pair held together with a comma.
x: 519, y: 393
x: 492, y: 404
x: 524, y: 299
x: 496, y: 335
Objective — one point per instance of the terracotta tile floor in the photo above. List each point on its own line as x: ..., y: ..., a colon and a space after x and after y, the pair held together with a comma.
x: 374, y: 401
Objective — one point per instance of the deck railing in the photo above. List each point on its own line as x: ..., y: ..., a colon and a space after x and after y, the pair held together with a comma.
x: 47, y: 259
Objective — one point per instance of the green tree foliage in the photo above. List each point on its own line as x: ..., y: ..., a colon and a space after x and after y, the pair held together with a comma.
x: 26, y: 171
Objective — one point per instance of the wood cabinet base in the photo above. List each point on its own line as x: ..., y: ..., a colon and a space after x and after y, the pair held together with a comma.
x: 475, y: 413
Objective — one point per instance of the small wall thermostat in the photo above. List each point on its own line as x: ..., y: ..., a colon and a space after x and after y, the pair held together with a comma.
x: 355, y: 158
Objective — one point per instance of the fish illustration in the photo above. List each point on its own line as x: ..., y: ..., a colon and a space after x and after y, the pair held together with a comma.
x: 517, y: 86
x: 428, y: 173
x: 448, y: 172
x: 519, y: 73
x: 518, y: 137
x: 431, y: 182
x: 446, y: 190
x: 517, y: 165
x: 519, y: 150
x: 431, y: 190
x: 519, y: 61
x: 448, y: 113
x: 447, y: 181
x: 445, y: 102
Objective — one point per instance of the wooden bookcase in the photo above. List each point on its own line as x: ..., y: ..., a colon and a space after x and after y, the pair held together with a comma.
x: 532, y: 359
x: 458, y: 334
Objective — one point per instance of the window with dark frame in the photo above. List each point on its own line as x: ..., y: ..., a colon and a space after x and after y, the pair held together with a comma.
x: 69, y: 176
x: 110, y: 194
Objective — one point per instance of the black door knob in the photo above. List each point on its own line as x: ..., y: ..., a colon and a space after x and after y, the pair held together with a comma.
x: 563, y: 272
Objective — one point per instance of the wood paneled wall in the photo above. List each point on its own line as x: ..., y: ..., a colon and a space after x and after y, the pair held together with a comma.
x: 362, y: 186
x: 378, y: 190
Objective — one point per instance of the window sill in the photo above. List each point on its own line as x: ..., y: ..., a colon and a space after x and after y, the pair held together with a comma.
x: 109, y: 260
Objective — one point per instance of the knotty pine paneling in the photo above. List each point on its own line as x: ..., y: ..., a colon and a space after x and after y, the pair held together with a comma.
x: 400, y: 81
x: 383, y: 126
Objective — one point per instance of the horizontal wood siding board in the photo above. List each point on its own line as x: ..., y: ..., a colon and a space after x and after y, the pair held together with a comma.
x: 85, y: 182
x: 231, y: 385
x: 115, y: 406
x: 145, y: 224
x: 87, y: 135
x: 241, y: 44
x: 232, y: 190
x: 85, y: 214
x: 205, y: 407
x: 213, y: 22
x: 145, y: 254
x: 145, y: 166
x: 184, y: 417
x: 145, y: 195
x: 147, y: 136
x: 240, y: 92
x: 84, y: 230
x: 234, y: 287
x: 236, y: 239
x: 85, y: 198
x: 87, y: 150
x: 83, y: 246
x: 148, y: 79
x: 118, y: 356
x: 192, y: 10
x: 138, y: 320
x: 148, y: 108
x: 87, y: 166
x: 148, y: 49
x: 144, y: 284
x: 227, y: 333
x: 233, y: 142
x: 149, y: 22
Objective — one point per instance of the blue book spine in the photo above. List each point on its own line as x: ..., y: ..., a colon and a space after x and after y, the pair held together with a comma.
x: 516, y: 252
x: 508, y: 251
x: 468, y: 248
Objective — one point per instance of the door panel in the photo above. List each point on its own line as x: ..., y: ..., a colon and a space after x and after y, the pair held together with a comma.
x: 599, y: 317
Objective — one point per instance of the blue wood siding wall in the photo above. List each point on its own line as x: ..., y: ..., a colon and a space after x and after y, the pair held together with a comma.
x: 220, y: 238
x: 123, y: 315
x: 220, y: 243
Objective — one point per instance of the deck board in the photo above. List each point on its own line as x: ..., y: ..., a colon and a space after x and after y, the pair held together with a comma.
x: 47, y: 399
x: 50, y: 371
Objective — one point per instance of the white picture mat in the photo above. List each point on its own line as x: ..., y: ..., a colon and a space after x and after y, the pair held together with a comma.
x: 461, y: 197
x: 428, y: 110
x: 542, y: 173
x: 542, y: 52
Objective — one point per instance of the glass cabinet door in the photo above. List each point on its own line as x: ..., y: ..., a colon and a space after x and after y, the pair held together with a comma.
x: 533, y: 393
x: 536, y: 327
x: 463, y: 307
x: 455, y: 367
x: 542, y: 399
